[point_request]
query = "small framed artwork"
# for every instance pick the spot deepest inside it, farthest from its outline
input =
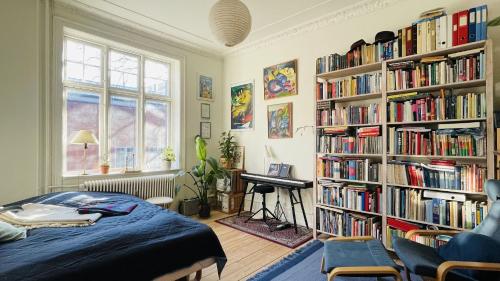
(205, 88)
(285, 170)
(205, 110)
(279, 121)
(205, 130)
(274, 170)
(280, 80)
(239, 159)
(242, 101)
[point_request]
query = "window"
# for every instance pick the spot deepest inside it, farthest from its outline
(124, 97)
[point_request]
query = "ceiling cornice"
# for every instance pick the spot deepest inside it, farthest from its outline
(350, 12)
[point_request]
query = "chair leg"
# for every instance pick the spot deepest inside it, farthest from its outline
(251, 202)
(264, 208)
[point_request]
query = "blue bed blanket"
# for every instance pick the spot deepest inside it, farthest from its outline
(145, 244)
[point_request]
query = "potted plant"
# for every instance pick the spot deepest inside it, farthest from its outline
(204, 176)
(104, 165)
(227, 147)
(168, 156)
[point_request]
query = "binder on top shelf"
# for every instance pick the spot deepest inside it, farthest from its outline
(424, 37)
(443, 32)
(455, 29)
(478, 24)
(409, 48)
(463, 27)
(432, 34)
(419, 38)
(484, 22)
(449, 31)
(400, 43)
(472, 25)
(414, 38)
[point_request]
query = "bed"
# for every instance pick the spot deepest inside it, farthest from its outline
(149, 243)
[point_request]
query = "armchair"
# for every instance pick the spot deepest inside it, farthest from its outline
(479, 249)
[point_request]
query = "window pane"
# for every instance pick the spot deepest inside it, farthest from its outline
(124, 71)
(82, 62)
(122, 132)
(82, 114)
(156, 120)
(156, 78)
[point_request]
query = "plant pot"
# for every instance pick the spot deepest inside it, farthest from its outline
(226, 164)
(204, 211)
(167, 165)
(104, 169)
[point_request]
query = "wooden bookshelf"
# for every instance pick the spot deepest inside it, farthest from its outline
(487, 161)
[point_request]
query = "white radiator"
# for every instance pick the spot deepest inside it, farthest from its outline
(142, 187)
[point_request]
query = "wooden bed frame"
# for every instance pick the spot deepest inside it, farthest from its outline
(183, 274)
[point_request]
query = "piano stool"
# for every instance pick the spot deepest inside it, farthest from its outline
(262, 189)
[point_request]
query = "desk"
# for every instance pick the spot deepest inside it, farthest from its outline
(289, 184)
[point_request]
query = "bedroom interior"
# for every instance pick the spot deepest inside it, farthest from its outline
(250, 140)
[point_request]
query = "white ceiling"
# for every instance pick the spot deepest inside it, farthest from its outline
(187, 20)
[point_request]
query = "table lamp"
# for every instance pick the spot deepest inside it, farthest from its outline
(84, 137)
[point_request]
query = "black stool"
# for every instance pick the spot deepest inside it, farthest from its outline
(262, 189)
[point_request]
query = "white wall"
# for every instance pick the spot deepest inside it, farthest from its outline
(19, 99)
(23, 100)
(318, 40)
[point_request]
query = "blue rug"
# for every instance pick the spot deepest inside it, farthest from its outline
(304, 264)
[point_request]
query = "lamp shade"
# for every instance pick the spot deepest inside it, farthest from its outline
(230, 21)
(84, 137)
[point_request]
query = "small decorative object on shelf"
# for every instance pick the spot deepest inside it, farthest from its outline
(227, 147)
(104, 165)
(168, 157)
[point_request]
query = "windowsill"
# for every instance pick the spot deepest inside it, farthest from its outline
(117, 174)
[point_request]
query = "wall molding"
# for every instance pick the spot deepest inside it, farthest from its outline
(347, 13)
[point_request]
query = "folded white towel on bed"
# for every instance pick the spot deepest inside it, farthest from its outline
(34, 215)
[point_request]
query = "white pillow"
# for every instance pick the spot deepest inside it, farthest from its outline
(10, 233)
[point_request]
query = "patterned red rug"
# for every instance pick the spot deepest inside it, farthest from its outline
(286, 237)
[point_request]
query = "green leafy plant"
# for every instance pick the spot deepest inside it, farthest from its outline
(168, 154)
(227, 146)
(203, 175)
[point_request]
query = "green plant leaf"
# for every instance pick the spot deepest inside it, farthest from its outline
(201, 148)
(494, 22)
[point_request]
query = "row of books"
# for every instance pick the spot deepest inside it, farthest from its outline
(438, 174)
(436, 71)
(348, 168)
(346, 144)
(442, 142)
(440, 31)
(426, 107)
(432, 31)
(355, 115)
(399, 228)
(348, 224)
(358, 197)
(435, 207)
(368, 83)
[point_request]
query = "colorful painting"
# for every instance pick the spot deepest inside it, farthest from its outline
(280, 80)
(279, 121)
(242, 106)
(206, 90)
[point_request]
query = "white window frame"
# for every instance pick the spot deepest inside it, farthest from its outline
(106, 91)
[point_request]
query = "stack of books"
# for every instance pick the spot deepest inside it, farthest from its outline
(457, 67)
(399, 228)
(356, 115)
(438, 174)
(356, 197)
(460, 139)
(368, 83)
(348, 168)
(349, 224)
(435, 207)
(434, 30)
(426, 107)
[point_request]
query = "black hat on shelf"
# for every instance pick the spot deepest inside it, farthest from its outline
(384, 36)
(358, 44)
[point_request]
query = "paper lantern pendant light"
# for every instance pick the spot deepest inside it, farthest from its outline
(230, 21)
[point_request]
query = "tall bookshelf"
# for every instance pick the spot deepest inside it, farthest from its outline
(488, 161)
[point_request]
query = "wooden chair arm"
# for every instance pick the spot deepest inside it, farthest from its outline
(425, 232)
(351, 238)
(446, 266)
(362, 270)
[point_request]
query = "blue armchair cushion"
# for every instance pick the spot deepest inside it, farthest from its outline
(349, 253)
(469, 246)
(418, 258)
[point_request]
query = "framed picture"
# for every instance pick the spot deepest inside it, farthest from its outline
(205, 88)
(242, 100)
(285, 170)
(205, 130)
(205, 110)
(239, 159)
(274, 170)
(279, 121)
(280, 80)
